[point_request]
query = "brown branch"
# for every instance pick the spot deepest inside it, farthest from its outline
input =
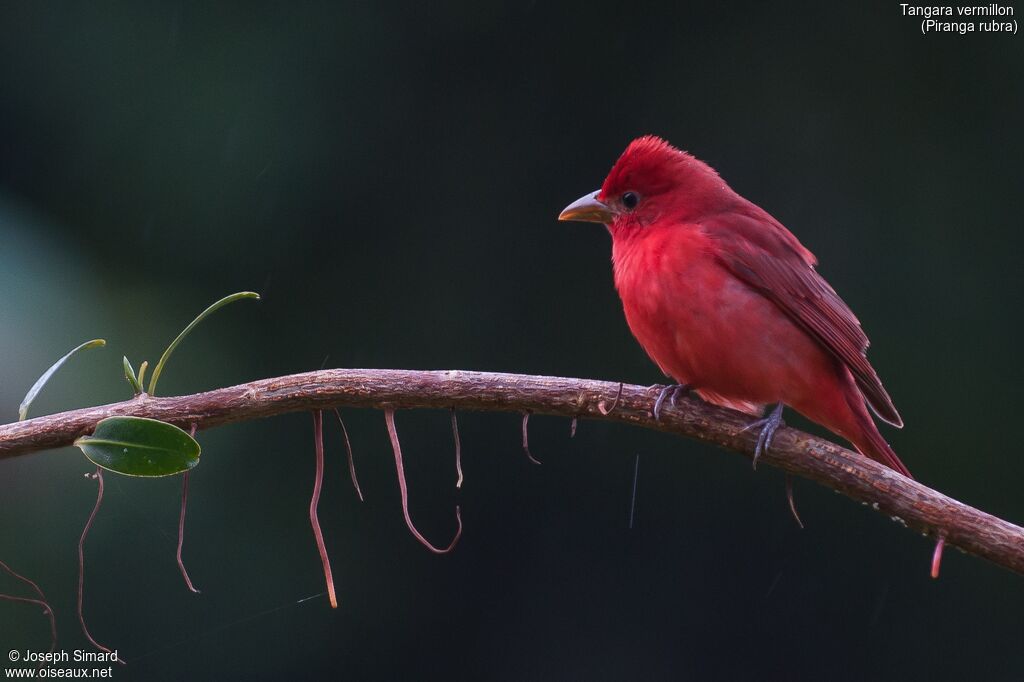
(913, 504)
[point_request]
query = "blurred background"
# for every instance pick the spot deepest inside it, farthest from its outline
(388, 178)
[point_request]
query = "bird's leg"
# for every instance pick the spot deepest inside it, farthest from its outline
(672, 391)
(769, 425)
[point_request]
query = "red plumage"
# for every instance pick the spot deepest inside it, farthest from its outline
(724, 298)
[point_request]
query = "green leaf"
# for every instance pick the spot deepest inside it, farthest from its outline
(174, 344)
(129, 374)
(142, 374)
(136, 446)
(41, 381)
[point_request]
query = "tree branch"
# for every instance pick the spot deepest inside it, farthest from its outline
(916, 506)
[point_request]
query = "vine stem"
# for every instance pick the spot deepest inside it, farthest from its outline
(911, 503)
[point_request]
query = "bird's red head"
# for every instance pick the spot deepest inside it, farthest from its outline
(649, 164)
(651, 180)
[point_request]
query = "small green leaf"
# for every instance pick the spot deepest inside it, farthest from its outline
(136, 446)
(129, 374)
(41, 381)
(142, 374)
(174, 344)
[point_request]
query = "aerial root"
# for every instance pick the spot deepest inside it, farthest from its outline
(98, 476)
(181, 523)
(526, 438)
(789, 498)
(42, 602)
(351, 461)
(181, 533)
(607, 411)
(389, 420)
(458, 449)
(318, 438)
(632, 500)
(940, 544)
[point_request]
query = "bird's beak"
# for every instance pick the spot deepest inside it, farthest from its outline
(587, 209)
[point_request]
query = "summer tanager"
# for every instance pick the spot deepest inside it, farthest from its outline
(727, 301)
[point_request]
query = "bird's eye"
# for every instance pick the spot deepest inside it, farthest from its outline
(630, 200)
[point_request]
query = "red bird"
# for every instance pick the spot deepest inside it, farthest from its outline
(727, 302)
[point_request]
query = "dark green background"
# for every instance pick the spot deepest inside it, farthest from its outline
(388, 178)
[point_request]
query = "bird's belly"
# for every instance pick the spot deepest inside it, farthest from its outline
(705, 328)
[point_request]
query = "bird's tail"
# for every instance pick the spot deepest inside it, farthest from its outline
(870, 443)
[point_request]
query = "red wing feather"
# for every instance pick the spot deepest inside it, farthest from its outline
(764, 254)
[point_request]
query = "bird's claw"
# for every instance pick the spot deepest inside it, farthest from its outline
(671, 392)
(769, 425)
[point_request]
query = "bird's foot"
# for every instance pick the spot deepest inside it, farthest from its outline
(769, 425)
(670, 392)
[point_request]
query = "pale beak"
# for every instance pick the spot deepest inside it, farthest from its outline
(587, 209)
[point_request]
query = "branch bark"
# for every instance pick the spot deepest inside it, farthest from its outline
(914, 505)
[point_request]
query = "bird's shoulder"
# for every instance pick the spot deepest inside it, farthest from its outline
(751, 228)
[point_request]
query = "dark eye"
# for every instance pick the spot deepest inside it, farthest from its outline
(630, 200)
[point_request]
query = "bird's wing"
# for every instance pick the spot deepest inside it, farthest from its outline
(764, 254)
